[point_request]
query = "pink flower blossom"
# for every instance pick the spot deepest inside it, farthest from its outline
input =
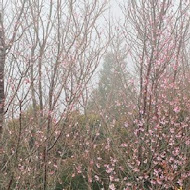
(112, 187)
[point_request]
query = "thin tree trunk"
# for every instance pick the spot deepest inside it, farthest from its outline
(2, 64)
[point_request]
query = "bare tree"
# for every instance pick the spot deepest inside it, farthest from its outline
(7, 40)
(51, 56)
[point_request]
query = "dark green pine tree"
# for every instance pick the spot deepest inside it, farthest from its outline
(109, 93)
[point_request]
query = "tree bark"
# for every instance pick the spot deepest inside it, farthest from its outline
(2, 64)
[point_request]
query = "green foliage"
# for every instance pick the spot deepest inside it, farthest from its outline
(75, 183)
(110, 92)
